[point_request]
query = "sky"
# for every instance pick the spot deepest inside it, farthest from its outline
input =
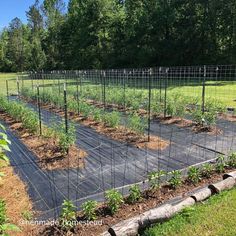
(9, 9)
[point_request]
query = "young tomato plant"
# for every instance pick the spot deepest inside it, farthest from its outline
(207, 170)
(89, 209)
(220, 164)
(176, 179)
(154, 178)
(232, 160)
(136, 123)
(112, 119)
(194, 175)
(114, 200)
(68, 215)
(135, 194)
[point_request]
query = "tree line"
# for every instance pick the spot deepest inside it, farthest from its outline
(120, 33)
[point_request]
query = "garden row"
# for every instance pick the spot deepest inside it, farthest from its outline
(112, 119)
(30, 121)
(135, 99)
(176, 105)
(114, 201)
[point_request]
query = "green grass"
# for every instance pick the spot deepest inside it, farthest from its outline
(215, 217)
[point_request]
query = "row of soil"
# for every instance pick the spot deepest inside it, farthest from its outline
(150, 199)
(178, 121)
(120, 133)
(46, 148)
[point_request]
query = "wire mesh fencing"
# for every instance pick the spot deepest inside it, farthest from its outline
(132, 122)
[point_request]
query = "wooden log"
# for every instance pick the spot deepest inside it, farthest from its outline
(231, 174)
(222, 185)
(183, 204)
(132, 226)
(202, 194)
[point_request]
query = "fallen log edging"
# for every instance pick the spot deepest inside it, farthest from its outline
(132, 226)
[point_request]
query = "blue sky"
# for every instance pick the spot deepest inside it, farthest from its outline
(10, 9)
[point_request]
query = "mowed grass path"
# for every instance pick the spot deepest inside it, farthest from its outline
(215, 217)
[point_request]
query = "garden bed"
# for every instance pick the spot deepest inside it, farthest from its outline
(150, 199)
(119, 133)
(46, 149)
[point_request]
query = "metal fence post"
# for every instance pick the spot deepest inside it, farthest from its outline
(203, 90)
(18, 87)
(165, 96)
(65, 109)
(149, 102)
(7, 90)
(39, 111)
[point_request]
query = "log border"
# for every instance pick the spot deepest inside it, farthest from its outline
(164, 212)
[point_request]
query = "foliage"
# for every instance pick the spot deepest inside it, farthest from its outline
(5, 226)
(207, 170)
(4, 146)
(232, 160)
(89, 209)
(135, 194)
(194, 175)
(208, 118)
(220, 164)
(154, 178)
(114, 200)
(136, 123)
(68, 214)
(111, 119)
(66, 140)
(176, 179)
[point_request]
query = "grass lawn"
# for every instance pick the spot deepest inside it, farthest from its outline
(215, 217)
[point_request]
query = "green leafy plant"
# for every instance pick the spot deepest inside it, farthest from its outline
(205, 119)
(89, 209)
(5, 226)
(176, 179)
(194, 175)
(66, 140)
(220, 164)
(207, 170)
(136, 123)
(135, 194)
(4, 146)
(232, 160)
(154, 178)
(114, 200)
(68, 214)
(112, 119)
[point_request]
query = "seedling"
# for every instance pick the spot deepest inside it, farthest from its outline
(114, 200)
(135, 194)
(154, 178)
(89, 209)
(175, 180)
(68, 215)
(194, 175)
